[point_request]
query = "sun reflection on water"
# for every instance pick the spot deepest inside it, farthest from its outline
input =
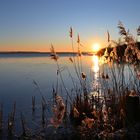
(95, 71)
(95, 66)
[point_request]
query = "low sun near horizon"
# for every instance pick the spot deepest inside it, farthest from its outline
(96, 47)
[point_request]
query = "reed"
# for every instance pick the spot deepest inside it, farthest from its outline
(23, 122)
(33, 103)
(55, 58)
(108, 111)
(11, 120)
(1, 118)
(40, 92)
(43, 113)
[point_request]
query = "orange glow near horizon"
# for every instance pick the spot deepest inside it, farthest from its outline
(44, 46)
(38, 47)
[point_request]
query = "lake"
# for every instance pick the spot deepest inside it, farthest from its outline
(18, 71)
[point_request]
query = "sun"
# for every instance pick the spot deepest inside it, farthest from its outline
(95, 47)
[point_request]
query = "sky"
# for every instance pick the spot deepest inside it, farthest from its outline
(33, 25)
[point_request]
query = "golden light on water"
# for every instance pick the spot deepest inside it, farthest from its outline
(95, 71)
(96, 47)
(95, 66)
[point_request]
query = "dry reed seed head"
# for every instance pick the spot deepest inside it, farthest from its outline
(88, 122)
(54, 56)
(71, 32)
(122, 29)
(78, 39)
(58, 110)
(71, 60)
(58, 98)
(108, 36)
(138, 31)
(61, 103)
(52, 49)
(83, 75)
(131, 52)
(62, 107)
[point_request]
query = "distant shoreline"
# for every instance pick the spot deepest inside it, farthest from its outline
(40, 54)
(24, 52)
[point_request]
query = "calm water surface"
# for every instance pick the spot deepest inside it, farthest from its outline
(17, 73)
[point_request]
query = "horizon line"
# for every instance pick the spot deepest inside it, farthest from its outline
(42, 52)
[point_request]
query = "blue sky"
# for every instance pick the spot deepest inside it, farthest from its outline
(32, 25)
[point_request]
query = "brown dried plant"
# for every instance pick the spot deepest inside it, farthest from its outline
(54, 56)
(58, 111)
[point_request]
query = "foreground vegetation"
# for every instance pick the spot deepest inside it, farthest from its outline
(108, 110)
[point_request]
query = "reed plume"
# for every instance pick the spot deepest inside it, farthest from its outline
(71, 32)
(54, 56)
(58, 111)
(108, 36)
(33, 103)
(138, 31)
(122, 29)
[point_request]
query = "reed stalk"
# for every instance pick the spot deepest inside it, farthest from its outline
(1, 117)
(11, 120)
(33, 103)
(23, 122)
(43, 113)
